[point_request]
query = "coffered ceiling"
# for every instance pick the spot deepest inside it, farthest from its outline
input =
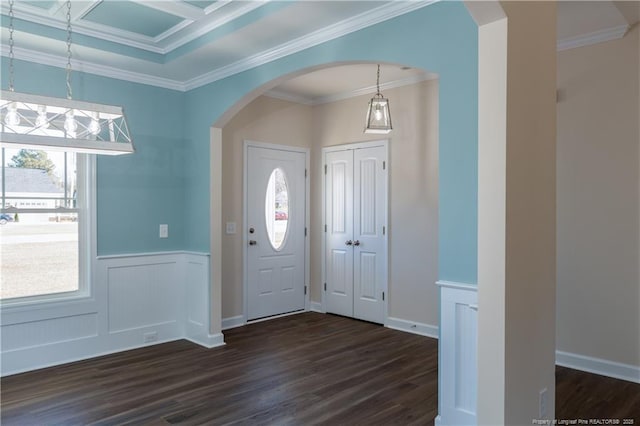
(183, 44)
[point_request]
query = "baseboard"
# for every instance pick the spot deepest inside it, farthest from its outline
(233, 322)
(603, 367)
(209, 341)
(413, 327)
(316, 307)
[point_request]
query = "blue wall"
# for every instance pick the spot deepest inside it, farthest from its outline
(441, 38)
(135, 192)
(167, 179)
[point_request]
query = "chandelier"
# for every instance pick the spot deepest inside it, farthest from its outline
(34, 121)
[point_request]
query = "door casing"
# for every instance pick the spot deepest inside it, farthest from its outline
(358, 145)
(245, 221)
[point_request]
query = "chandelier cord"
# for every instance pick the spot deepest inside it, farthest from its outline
(69, 92)
(378, 80)
(11, 45)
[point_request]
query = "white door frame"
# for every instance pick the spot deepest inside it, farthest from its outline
(245, 221)
(358, 145)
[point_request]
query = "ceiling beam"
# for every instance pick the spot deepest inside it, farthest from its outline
(177, 8)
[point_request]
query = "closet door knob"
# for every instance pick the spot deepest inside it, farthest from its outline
(356, 243)
(348, 243)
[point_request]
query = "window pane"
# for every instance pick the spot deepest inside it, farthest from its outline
(38, 250)
(38, 257)
(277, 208)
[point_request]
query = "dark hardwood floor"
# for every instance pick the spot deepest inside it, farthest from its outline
(303, 369)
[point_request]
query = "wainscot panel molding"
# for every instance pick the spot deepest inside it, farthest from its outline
(136, 300)
(414, 327)
(458, 354)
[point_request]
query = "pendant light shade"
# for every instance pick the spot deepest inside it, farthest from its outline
(378, 114)
(33, 121)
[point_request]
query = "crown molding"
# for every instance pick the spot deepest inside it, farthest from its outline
(595, 37)
(369, 90)
(92, 68)
(339, 29)
(128, 39)
(210, 26)
(289, 97)
(306, 100)
(131, 39)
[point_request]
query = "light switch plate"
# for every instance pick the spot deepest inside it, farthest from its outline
(164, 230)
(231, 227)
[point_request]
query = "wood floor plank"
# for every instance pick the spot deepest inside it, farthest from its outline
(303, 369)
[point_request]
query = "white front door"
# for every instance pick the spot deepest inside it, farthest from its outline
(356, 242)
(275, 199)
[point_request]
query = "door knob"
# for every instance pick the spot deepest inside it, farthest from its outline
(356, 243)
(253, 242)
(348, 243)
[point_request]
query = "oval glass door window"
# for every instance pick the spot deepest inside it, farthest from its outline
(276, 208)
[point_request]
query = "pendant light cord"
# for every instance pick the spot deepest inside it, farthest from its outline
(11, 45)
(69, 92)
(378, 81)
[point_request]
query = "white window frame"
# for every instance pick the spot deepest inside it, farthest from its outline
(87, 248)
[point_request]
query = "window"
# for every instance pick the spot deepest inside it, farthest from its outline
(277, 208)
(44, 237)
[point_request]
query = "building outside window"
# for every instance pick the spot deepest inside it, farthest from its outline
(44, 240)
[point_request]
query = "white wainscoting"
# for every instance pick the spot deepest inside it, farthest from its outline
(458, 354)
(136, 300)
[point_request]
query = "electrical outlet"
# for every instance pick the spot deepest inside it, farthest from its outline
(152, 336)
(164, 230)
(543, 404)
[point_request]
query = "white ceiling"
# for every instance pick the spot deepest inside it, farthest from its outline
(185, 44)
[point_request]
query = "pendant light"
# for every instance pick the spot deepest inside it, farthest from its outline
(34, 121)
(378, 114)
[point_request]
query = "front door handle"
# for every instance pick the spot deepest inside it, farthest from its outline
(253, 242)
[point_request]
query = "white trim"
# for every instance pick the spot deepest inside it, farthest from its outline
(290, 97)
(245, 220)
(598, 366)
(210, 341)
(595, 37)
(156, 253)
(413, 327)
(305, 100)
(233, 322)
(93, 68)
(71, 359)
(286, 314)
(339, 29)
(316, 307)
(460, 286)
(216, 23)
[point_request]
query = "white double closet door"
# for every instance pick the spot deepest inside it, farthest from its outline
(356, 237)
